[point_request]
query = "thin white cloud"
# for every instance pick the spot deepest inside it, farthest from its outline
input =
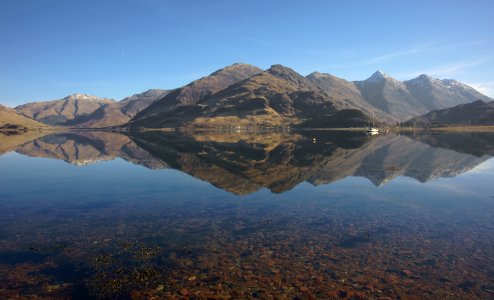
(486, 88)
(444, 71)
(417, 49)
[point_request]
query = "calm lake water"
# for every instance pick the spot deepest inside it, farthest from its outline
(303, 215)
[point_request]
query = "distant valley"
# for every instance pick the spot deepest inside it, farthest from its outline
(245, 96)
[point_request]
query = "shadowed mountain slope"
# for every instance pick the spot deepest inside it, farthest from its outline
(476, 113)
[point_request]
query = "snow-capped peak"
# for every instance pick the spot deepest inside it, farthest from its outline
(425, 80)
(80, 96)
(378, 76)
(424, 77)
(318, 75)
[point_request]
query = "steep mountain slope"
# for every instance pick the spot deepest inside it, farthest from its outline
(10, 119)
(107, 115)
(134, 104)
(276, 96)
(348, 92)
(199, 89)
(438, 94)
(59, 112)
(475, 113)
(389, 95)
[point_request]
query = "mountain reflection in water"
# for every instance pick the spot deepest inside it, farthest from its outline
(300, 215)
(245, 163)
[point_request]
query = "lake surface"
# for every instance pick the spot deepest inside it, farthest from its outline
(299, 215)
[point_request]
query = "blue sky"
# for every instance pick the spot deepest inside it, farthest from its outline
(53, 48)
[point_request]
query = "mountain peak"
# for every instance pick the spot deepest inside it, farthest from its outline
(315, 74)
(424, 77)
(378, 76)
(318, 75)
(280, 68)
(80, 96)
(288, 74)
(237, 68)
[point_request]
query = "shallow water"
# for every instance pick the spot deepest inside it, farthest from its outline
(272, 215)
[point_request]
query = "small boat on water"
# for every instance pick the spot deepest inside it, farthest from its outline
(372, 130)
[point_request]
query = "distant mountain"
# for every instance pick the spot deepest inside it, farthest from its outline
(86, 111)
(390, 95)
(11, 120)
(68, 109)
(475, 113)
(118, 113)
(197, 90)
(404, 100)
(350, 94)
(437, 94)
(134, 104)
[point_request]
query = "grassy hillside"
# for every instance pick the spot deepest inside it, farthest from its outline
(11, 120)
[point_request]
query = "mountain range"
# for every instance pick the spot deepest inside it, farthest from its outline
(279, 96)
(244, 95)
